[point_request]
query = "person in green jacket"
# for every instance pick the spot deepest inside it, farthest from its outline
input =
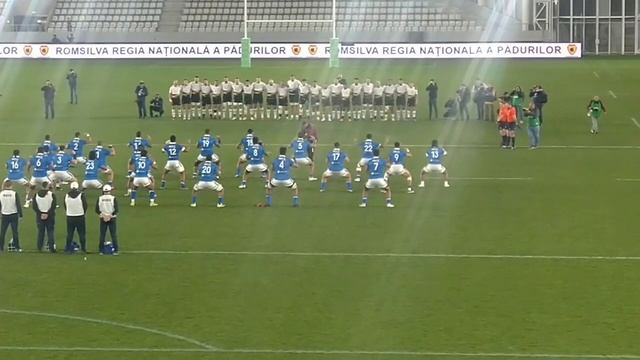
(517, 100)
(533, 126)
(595, 110)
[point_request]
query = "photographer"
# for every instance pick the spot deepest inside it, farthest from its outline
(539, 98)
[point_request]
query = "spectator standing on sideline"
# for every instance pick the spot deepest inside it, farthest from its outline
(141, 99)
(539, 98)
(44, 204)
(464, 96)
(49, 93)
(55, 39)
(517, 100)
(478, 97)
(75, 204)
(432, 89)
(156, 107)
(70, 38)
(72, 79)
(533, 126)
(596, 109)
(11, 211)
(107, 208)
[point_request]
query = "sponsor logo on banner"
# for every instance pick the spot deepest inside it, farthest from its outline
(537, 50)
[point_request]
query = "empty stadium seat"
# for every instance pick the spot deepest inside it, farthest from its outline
(107, 15)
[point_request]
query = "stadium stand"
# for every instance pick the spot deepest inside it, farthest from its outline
(107, 15)
(352, 16)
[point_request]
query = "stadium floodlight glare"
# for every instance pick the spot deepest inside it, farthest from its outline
(246, 41)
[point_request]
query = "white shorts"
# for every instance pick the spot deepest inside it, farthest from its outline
(63, 176)
(243, 157)
(256, 168)
(141, 181)
(376, 184)
(289, 183)
(22, 181)
(214, 158)
(92, 184)
(363, 162)
(438, 168)
(38, 180)
(81, 160)
(396, 169)
(208, 185)
(174, 165)
(343, 173)
(303, 161)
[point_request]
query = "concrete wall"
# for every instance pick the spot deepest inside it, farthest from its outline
(416, 37)
(27, 7)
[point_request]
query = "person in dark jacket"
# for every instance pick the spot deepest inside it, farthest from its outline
(539, 98)
(156, 108)
(432, 89)
(44, 204)
(10, 213)
(75, 204)
(464, 96)
(72, 79)
(107, 208)
(141, 92)
(49, 93)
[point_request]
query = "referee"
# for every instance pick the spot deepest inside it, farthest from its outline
(75, 203)
(11, 212)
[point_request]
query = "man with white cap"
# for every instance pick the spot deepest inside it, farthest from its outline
(107, 208)
(75, 203)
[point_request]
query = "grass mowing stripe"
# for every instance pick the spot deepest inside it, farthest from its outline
(387, 255)
(110, 323)
(635, 122)
(324, 352)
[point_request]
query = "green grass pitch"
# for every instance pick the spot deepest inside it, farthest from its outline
(284, 283)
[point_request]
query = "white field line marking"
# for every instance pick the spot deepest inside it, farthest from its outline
(596, 75)
(111, 323)
(462, 146)
(493, 178)
(635, 122)
(387, 255)
(627, 180)
(613, 95)
(325, 352)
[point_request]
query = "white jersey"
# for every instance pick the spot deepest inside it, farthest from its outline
(196, 86)
(412, 92)
(293, 84)
(336, 89)
(174, 91)
(185, 89)
(378, 91)
(326, 92)
(226, 86)
(356, 89)
(272, 89)
(304, 89)
(258, 87)
(247, 89)
(346, 93)
(315, 90)
(389, 90)
(401, 89)
(216, 90)
(283, 91)
(236, 88)
(367, 88)
(206, 89)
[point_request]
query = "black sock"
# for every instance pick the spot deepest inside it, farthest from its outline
(505, 140)
(513, 141)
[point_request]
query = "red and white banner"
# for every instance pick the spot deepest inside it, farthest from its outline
(291, 51)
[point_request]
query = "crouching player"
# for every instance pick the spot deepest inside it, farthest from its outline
(435, 156)
(302, 150)
(377, 168)
(281, 169)
(397, 158)
(336, 160)
(173, 151)
(244, 145)
(62, 162)
(255, 160)
(143, 178)
(208, 176)
(92, 169)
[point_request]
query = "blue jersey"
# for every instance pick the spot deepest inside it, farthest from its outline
(435, 155)
(246, 143)
(377, 168)
(208, 171)
(62, 161)
(16, 166)
(77, 146)
(397, 156)
(101, 155)
(256, 154)
(91, 170)
(206, 145)
(336, 160)
(173, 151)
(367, 148)
(139, 144)
(142, 167)
(40, 164)
(282, 168)
(301, 148)
(53, 148)
(134, 157)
